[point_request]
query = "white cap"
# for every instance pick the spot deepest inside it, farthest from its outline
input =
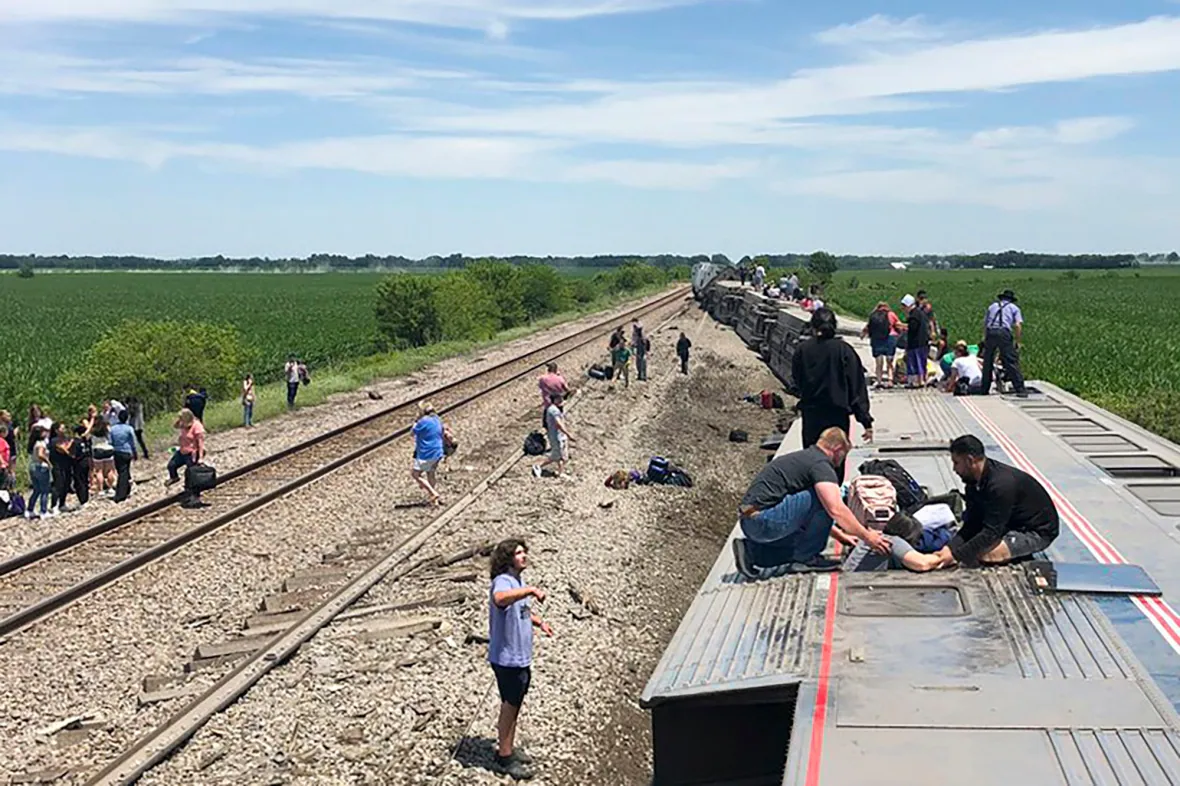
(908, 301)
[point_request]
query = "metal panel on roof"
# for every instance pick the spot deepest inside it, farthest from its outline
(1128, 757)
(736, 636)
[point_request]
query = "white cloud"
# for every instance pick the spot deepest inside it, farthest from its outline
(498, 30)
(880, 29)
(474, 14)
(743, 113)
(661, 174)
(1074, 131)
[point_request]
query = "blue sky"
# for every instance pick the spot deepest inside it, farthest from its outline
(288, 127)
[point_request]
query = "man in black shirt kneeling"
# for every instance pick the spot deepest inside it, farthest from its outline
(1009, 514)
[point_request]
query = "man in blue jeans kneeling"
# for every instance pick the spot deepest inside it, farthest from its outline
(789, 511)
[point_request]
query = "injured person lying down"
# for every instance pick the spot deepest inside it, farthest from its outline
(1009, 516)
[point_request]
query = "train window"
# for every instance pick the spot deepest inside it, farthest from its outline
(1136, 466)
(1164, 498)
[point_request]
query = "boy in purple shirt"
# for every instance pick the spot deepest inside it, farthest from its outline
(510, 647)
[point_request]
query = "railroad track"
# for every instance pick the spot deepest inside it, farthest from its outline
(396, 563)
(45, 580)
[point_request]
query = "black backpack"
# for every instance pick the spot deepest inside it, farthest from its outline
(879, 326)
(910, 495)
(535, 444)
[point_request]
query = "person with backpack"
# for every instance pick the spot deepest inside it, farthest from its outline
(559, 437)
(291, 374)
(80, 454)
(61, 461)
(792, 508)
(829, 380)
(511, 620)
(429, 449)
(882, 330)
(1009, 514)
(683, 344)
(1003, 329)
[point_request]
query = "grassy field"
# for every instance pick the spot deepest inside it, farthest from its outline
(53, 318)
(1112, 337)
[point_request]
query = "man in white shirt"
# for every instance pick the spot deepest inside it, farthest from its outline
(966, 375)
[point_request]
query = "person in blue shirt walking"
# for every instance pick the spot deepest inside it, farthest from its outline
(123, 442)
(510, 648)
(429, 437)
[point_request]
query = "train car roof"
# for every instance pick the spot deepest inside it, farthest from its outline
(964, 676)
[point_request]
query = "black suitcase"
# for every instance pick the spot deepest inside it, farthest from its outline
(199, 477)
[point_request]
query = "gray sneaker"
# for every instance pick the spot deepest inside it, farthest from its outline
(511, 767)
(742, 560)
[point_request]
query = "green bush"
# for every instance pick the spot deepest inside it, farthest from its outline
(544, 291)
(505, 284)
(406, 313)
(156, 362)
(583, 290)
(463, 309)
(26, 269)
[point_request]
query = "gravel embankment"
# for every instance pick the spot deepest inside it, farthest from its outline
(231, 449)
(92, 657)
(421, 709)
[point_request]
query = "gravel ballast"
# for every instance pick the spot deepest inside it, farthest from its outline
(420, 709)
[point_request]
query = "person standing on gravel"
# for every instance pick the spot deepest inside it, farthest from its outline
(551, 383)
(682, 346)
(428, 450)
(510, 648)
(559, 437)
(620, 357)
(639, 345)
(123, 442)
(248, 401)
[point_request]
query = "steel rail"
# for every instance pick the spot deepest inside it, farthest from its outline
(161, 742)
(57, 601)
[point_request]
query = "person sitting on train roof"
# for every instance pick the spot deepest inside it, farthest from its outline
(790, 509)
(1009, 514)
(965, 377)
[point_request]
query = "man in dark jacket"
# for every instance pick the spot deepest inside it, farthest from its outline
(1009, 514)
(682, 346)
(829, 380)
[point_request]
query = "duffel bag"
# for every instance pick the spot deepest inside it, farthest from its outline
(910, 495)
(199, 477)
(535, 444)
(873, 500)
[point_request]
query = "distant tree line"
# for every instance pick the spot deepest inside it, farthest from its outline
(319, 262)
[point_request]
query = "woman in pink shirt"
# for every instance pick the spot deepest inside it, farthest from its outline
(550, 383)
(191, 451)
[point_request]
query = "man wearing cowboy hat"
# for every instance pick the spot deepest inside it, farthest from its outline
(1003, 327)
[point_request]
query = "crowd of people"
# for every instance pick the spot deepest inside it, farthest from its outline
(929, 358)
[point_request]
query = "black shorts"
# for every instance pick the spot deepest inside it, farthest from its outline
(513, 683)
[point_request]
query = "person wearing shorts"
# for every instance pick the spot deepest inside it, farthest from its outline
(559, 437)
(510, 648)
(428, 450)
(1009, 516)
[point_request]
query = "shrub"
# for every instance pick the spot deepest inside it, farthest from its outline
(26, 269)
(544, 291)
(406, 315)
(463, 309)
(504, 282)
(822, 266)
(156, 362)
(583, 290)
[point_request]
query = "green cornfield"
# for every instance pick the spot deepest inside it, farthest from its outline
(51, 319)
(1112, 337)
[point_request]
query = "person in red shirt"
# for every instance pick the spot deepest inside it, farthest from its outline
(5, 457)
(551, 383)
